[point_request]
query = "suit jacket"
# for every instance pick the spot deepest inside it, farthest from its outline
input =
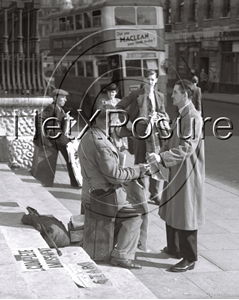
(51, 110)
(183, 199)
(132, 101)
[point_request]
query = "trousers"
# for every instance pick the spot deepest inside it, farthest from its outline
(127, 231)
(183, 241)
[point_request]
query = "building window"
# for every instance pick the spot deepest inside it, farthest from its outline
(226, 8)
(168, 12)
(180, 10)
(193, 10)
(230, 64)
(125, 16)
(208, 9)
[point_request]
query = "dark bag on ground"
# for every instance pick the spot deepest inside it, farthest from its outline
(54, 227)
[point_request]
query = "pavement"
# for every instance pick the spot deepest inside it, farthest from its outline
(216, 274)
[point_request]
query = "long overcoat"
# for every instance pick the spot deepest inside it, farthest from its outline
(183, 198)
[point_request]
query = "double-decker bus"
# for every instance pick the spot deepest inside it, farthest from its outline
(107, 41)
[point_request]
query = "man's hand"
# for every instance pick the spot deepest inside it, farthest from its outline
(143, 168)
(153, 158)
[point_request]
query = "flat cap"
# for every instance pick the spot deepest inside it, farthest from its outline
(59, 92)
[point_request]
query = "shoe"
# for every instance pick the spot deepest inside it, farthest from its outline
(172, 253)
(183, 266)
(125, 263)
(140, 247)
(76, 185)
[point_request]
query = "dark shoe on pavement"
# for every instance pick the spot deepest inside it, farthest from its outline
(125, 263)
(172, 253)
(140, 247)
(76, 185)
(183, 266)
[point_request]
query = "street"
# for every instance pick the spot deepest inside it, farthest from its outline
(222, 156)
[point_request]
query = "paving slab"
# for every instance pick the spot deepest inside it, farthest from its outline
(222, 241)
(227, 260)
(217, 284)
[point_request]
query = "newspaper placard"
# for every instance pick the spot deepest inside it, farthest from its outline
(37, 259)
(87, 274)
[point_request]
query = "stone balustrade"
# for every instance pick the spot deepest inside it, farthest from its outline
(17, 128)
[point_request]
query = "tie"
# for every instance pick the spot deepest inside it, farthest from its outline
(149, 105)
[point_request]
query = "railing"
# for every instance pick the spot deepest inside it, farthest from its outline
(21, 66)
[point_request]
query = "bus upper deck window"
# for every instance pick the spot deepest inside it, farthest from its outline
(96, 18)
(62, 23)
(69, 23)
(55, 27)
(146, 16)
(87, 20)
(72, 69)
(133, 68)
(89, 68)
(80, 68)
(125, 16)
(79, 21)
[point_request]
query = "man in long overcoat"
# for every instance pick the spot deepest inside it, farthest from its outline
(183, 198)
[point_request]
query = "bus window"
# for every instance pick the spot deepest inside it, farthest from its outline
(102, 67)
(96, 18)
(89, 68)
(79, 21)
(87, 20)
(57, 68)
(146, 16)
(70, 23)
(62, 22)
(72, 69)
(150, 64)
(55, 27)
(64, 67)
(125, 16)
(80, 68)
(133, 68)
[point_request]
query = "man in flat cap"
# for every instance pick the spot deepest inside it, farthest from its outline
(53, 124)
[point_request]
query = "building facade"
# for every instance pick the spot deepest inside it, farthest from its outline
(204, 34)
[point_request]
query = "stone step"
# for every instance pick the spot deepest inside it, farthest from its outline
(17, 191)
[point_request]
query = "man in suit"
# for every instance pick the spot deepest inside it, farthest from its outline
(145, 102)
(54, 122)
(102, 171)
(183, 200)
